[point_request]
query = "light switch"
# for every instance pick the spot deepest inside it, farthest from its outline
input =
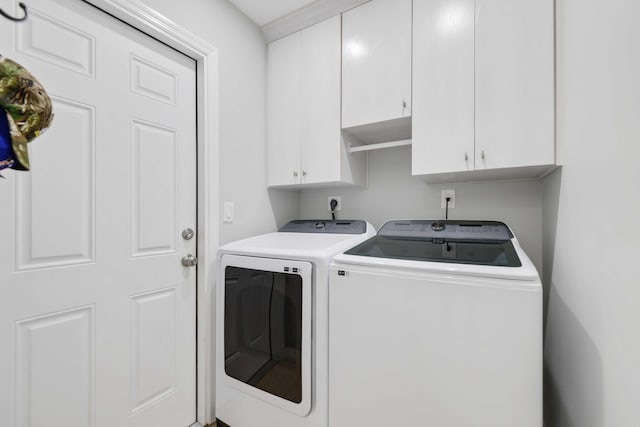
(228, 211)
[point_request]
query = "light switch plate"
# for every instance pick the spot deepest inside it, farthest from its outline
(228, 211)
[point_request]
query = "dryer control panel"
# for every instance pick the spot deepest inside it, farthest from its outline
(342, 226)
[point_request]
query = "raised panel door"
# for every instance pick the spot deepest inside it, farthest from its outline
(97, 315)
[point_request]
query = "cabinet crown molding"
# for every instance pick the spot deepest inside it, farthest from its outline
(305, 17)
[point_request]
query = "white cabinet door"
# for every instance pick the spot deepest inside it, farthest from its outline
(283, 109)
(443, 66)
(321, 140)
(514, 83)
(376, 62)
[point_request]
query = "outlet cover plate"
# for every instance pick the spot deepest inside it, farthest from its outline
(338, 198)
(443, 198)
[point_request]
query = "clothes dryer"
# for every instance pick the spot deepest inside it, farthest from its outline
(272, 324)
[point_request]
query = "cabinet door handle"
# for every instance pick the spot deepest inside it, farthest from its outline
(404, 105)
(295, 173)
(482, 154)
(304, 173)
(466, 156)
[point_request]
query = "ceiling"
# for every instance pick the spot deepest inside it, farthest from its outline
(265, 11)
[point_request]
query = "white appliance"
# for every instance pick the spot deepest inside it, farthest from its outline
(435, 324)
(272, 324)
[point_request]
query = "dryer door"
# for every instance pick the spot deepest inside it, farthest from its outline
(267, 329)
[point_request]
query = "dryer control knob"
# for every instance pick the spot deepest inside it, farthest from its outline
(437, 225)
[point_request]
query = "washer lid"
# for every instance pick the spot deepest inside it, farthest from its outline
(459, 242)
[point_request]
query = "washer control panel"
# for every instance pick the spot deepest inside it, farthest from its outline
(447, 229)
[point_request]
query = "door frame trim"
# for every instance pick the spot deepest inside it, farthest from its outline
(158, 26)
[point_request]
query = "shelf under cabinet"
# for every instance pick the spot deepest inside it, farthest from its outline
(379, 146)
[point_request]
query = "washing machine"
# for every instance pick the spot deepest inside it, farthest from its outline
(435, 323)
(272, 324)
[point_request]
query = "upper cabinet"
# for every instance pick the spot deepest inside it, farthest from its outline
(284, 100)
(443, 87)
(514, 83)
(376, 66)
(469, 83)
(305, 147)
(483, 104)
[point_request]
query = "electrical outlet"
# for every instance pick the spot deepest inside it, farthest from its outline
(443, 198)
(338, 199)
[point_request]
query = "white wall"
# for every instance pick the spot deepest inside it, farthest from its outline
(242, 85)
(591, 211)
(394, 194)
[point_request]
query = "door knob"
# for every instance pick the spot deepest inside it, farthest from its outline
(189, 260)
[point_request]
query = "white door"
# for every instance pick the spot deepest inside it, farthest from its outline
(97, 314)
